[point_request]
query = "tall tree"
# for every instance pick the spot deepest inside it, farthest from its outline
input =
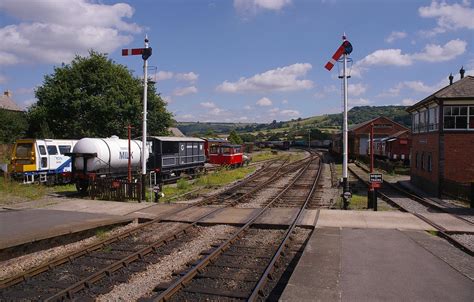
(94, 97)
(13, 125)
(234, 138)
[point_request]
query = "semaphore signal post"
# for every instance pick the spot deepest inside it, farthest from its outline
(344, 50)
(146, 53)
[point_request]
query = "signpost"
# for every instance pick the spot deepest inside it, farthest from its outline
(145, 53)
(375, 179)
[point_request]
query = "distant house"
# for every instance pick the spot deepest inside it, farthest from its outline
(359, 135)
(443, 139)
(7, 103)
(175, 132)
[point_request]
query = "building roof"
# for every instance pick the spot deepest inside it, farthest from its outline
(7, 103)
(462, 89)
(177, 139)
(363, 124)
(175, 131)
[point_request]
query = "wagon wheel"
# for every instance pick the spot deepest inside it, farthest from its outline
(82, 186)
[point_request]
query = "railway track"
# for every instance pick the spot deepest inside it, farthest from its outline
(408, 202)
(241, 266)
(116, 253)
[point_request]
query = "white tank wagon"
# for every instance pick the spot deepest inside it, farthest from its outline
(106, 155)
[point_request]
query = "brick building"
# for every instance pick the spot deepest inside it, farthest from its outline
(443, 139)
(359, 135)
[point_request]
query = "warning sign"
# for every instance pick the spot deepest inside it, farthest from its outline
(376, 178)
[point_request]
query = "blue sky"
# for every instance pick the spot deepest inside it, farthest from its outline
(247, 60)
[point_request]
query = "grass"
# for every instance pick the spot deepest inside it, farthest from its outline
(14, 190)
(266, 155)
(205, 182)
(101, 234)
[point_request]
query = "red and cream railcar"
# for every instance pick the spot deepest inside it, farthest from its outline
(226, 155)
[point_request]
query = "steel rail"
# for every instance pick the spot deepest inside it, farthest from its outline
(107, 271)
(87, 281)
(96, 246)
(424, 201)
(258, 289)
(179, 284)
(441, 231)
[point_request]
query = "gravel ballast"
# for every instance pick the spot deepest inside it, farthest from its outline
(141, 284)
(23, 263)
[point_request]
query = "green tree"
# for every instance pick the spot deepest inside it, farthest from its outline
(13, 126)
(94, 97)
(247, 137)
(234, 138)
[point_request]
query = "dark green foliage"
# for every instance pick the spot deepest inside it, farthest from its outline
(247, 137)
(234, 138)
(94, 97)
(13, 125)
(364, 113)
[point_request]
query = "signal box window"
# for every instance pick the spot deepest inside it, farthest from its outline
(456, 117)
(52, 150)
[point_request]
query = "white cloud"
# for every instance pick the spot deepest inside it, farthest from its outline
(251, 7)
(395, 35)
(264, 102)
(395, 57)
(190, 77)
(164, 75)
(281, 79)
(408, 102)
(247, 107)
(284, 102)
(208, 105)
(167, 99)
(438, 53)
(415, 86)
(357, 89)
(448, 16)
(386, 57)
(185, 90)
(55, 31)
(290, 113)
(185, 117)
(359, 102)
(286, 113)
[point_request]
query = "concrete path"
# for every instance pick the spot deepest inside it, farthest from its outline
(24, 226)
(347, 264)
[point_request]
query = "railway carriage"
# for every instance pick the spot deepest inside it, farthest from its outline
(41, 160)
(226, 155)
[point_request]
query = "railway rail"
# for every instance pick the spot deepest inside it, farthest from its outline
(112, 254)
(408, 202)
(241, 266)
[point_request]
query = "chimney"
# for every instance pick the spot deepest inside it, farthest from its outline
(462, 71)
(7, 93)
(451, 79)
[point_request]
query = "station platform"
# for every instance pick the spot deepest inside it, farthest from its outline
(372, 264)
(19, 227)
